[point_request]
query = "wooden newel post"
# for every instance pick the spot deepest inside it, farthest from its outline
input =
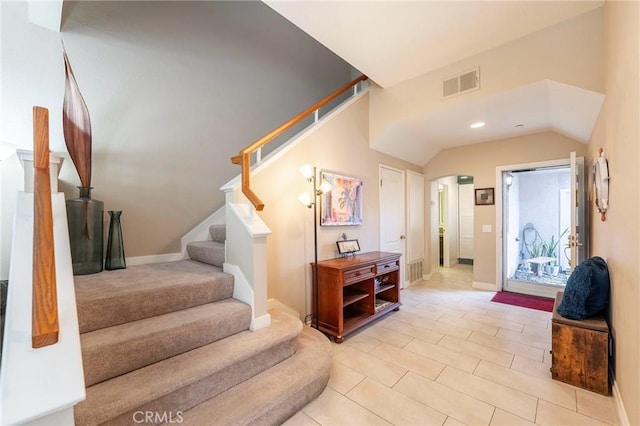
(44, 328)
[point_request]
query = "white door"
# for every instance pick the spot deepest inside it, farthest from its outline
(578, 232)
(465, 224)
(392, 213)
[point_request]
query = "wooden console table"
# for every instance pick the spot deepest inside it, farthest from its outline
(355, 291)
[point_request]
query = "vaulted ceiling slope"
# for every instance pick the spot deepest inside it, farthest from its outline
(397, 42)
(394, 41)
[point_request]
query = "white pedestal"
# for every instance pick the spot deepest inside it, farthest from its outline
(26, 159)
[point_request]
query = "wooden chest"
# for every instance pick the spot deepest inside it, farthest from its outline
(580, 351)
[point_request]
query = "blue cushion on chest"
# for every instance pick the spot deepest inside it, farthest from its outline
(587, 290)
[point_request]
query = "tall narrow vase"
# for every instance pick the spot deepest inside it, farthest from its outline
(84, 216)
(115, 245)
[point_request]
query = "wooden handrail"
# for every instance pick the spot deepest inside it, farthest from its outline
(44, 324)
(244, 157)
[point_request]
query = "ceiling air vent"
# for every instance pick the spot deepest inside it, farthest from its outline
(461, 83)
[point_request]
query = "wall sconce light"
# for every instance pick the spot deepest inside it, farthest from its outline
(508, 180)
(310, 199)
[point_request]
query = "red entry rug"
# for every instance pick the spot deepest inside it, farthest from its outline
(524, 300)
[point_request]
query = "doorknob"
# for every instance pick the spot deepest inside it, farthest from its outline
(402, 237)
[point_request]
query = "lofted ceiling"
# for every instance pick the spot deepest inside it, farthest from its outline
(386, 41)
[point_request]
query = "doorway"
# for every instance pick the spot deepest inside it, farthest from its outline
(539, 225)
(452, 221)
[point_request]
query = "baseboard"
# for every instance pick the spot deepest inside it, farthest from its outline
(484, 286)
(621, 413)
(154, 258)
(427, 277)
(276, 304)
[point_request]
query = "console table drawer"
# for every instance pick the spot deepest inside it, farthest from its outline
(382, 268)
(358, 275)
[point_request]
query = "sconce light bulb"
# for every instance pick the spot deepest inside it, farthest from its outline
(325, 186)
(305, 198)
(306, 170)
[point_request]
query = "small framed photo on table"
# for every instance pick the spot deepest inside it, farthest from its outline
(346, 247)
(484, 197)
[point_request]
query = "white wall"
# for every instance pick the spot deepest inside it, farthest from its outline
(570, 52)
(480, 161)
(174, 89)
(339, 145)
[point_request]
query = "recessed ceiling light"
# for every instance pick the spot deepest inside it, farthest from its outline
(519, 125)
(477, 125)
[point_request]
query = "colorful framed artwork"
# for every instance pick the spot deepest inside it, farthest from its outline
(342, 205)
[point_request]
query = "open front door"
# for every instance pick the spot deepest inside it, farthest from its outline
(577, 241)
(544, 225)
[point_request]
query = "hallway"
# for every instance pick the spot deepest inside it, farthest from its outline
(451, 357)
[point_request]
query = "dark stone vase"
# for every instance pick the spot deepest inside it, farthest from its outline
(85, 219)
(115, 245)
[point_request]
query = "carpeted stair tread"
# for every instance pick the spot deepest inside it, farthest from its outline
(183, 381)
(113, 351)
(209, 252)
(218, 233)
(275, 394)
(116, 297)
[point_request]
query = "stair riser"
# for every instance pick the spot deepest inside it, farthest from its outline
(208, 252)
(193, 394)
(287, 408)
(101, 313)
(105, 357)
(277, 393)
(218, 233)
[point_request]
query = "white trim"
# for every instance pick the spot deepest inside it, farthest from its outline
(243, 292)
(291, 143)
(62, 417)
(261, 322)
(427, 277)
(36, 383)
(155, 258)
(621, 413)
(499, 208)
(251, 222)
(478, 285)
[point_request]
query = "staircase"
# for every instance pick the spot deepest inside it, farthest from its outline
(167, 343)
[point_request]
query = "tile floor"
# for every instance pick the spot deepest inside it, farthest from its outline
(451, 357)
